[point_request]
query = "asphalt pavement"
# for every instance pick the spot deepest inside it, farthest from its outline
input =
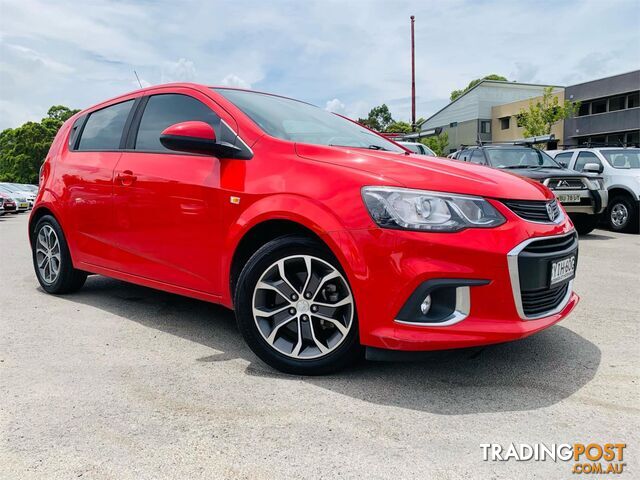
(123, 382)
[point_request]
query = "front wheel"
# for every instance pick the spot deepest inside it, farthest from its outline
(52, 260)
(623, 215)
(295, 308)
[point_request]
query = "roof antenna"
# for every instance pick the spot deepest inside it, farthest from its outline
(138, 78)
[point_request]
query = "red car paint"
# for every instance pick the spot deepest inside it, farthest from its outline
(154, 220)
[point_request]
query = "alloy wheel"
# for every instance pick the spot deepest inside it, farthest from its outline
(619, 214)
(48, 255)
(303, 307)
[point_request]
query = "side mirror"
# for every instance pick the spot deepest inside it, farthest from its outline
(592, 168)
(562, 163)
(196, 137)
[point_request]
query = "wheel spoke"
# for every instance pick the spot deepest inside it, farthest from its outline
(319, 344)
(307, 264)
(333, 321)
(283, 276)
(260, 312)
(296, 350)
(345, 301)
(276, 328)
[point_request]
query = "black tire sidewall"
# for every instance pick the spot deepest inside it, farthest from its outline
(68, 276)
(282, 247)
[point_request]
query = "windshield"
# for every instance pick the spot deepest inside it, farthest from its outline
(626, 158)
(300, 122)
(520, 158)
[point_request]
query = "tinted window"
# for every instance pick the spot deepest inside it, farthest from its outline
(73, 135)
(165, 110)
(617, 103)
(477, 157)
(599, 106)
(584, 158)
(103, 129)
(633, 100)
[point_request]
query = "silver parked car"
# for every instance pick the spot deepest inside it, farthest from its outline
(22, 204)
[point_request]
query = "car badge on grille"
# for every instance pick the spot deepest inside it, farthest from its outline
(563, 183)
(551, 211)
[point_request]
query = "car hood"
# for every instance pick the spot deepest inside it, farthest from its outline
(430, 173)
(542, 173)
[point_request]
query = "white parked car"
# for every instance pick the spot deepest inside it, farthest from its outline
(620, 169)
(418, 148)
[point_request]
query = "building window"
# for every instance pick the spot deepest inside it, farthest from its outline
(633, 100)
(505, 123)
(617, 103)
(453, 124)
(485, 126)
(599, 106)
(585, 109)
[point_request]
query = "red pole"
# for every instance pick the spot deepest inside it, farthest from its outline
(413, 77)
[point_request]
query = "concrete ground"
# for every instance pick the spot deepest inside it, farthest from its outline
(119, 381)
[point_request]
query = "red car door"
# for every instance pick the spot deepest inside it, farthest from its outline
(166, 204)
(86, 176)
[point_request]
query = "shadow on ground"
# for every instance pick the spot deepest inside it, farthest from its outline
(536, 372)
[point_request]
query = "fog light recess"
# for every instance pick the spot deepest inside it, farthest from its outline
(425, 306)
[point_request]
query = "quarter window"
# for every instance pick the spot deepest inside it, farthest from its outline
(164, 110)
(104, 127)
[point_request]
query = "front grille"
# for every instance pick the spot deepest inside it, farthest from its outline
(553, 245)
(535, 211)
(566, 184)
(539, 302)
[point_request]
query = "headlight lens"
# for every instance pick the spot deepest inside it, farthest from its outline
(403, 208)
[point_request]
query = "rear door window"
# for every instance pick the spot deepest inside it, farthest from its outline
(103, 129)
(564, 158)
(165, 110)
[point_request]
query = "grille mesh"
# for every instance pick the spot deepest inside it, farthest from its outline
(535, 303)
(535, 211)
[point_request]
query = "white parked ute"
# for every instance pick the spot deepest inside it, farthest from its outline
(620, 169)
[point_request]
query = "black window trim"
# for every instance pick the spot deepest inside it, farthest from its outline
(76, 141)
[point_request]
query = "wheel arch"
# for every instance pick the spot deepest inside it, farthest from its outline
(621, 190)
(278, 216)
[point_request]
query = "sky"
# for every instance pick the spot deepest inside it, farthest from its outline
(345, 56)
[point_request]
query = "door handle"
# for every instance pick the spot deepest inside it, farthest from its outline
(126, 178)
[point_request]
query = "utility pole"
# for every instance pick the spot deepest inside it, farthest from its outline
(413, 77)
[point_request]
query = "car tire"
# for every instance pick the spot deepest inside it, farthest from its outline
(52, 260)
(288, 335)
(622, 214)
(585, 223)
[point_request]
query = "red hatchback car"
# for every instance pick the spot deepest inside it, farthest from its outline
(323, 236)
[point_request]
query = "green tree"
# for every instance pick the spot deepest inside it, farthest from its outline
(379, 118)
(398, 127)
(457, 93)
(23, 149)
(543, 114)
(437, 143)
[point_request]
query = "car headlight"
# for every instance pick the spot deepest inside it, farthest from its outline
(403, 208)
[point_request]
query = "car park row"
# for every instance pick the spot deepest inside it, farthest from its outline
(16, 197)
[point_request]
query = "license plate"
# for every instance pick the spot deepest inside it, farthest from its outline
(568, 197)
(24, 205)
(562, 270)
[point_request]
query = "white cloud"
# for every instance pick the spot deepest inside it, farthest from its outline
(233, 80)
(335, 106)
(60, 53)
(181, 71)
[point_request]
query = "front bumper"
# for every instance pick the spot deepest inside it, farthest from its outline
(592, 202)
(395, 263)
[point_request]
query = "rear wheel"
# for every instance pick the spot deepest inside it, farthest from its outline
(295, 308)
(52, 260)
(585, 223)
(623, 214)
